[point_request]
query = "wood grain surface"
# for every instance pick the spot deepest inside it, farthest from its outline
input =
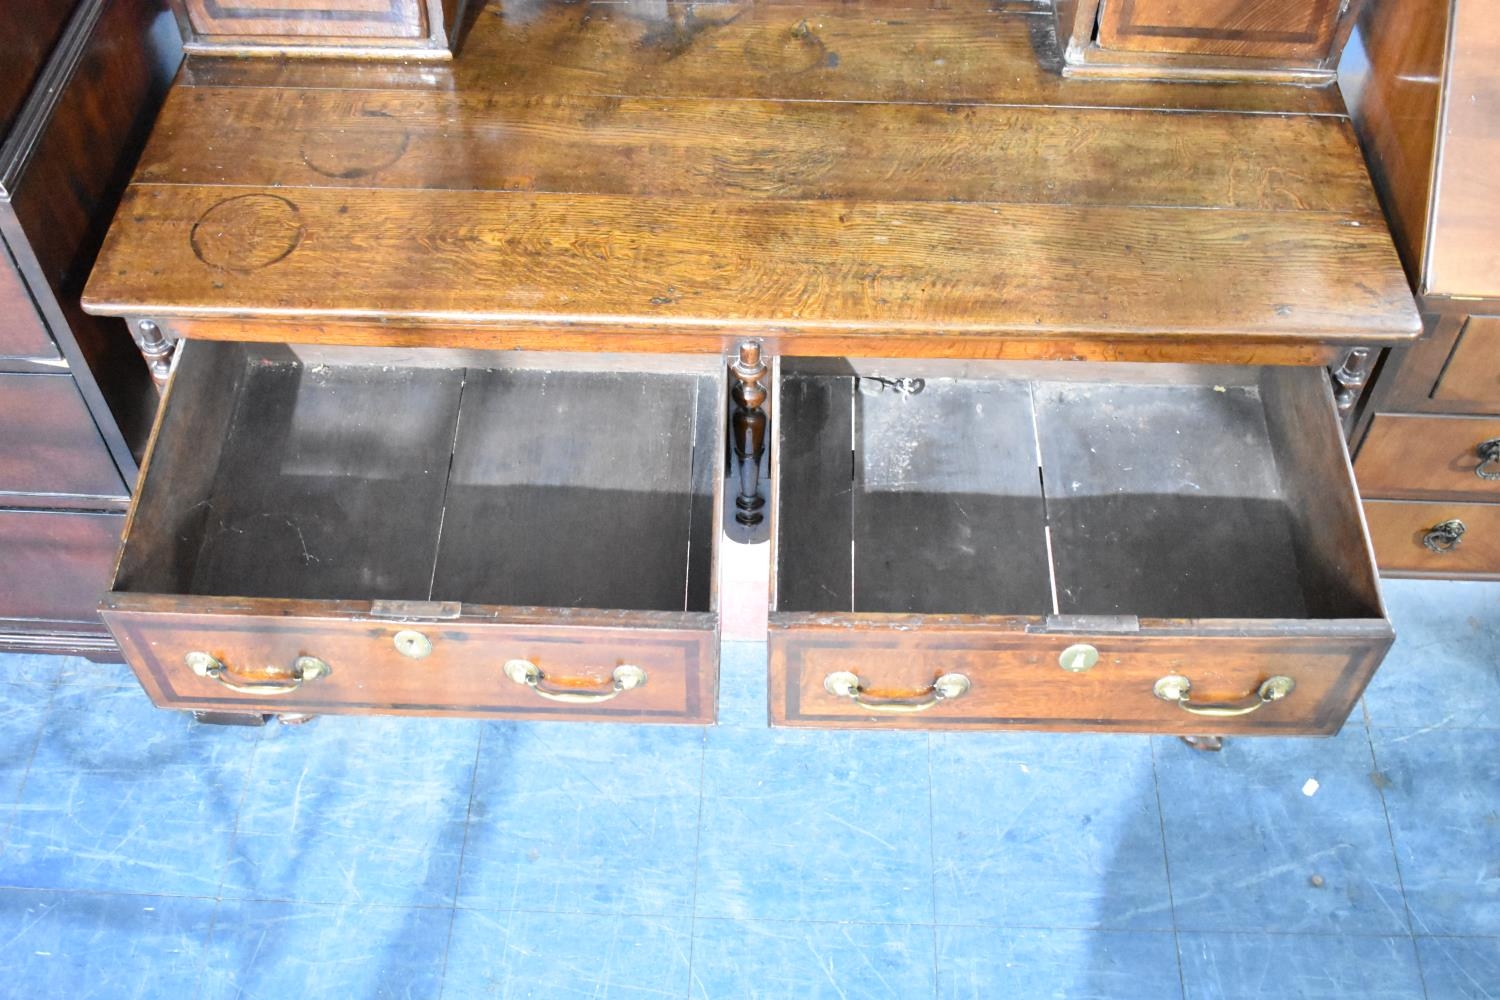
(777, 170)
(1397, 528)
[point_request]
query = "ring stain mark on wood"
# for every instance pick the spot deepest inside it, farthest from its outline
(351, 153)
(247, 232)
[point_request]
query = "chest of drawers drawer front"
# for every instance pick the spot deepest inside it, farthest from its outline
(1406, 455)
(946, 535)
(551, 519)
(1435, 538)
(54, 565)
(1105, 682)
(254, 656)
(22, 334)
(53, 455)
(1471, 378)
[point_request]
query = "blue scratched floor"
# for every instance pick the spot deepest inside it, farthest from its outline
(146, 855)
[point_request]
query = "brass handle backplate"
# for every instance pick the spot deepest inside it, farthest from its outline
(1177, 688)
(626, 677)
(843, 684)
(1489, 459)
(304, 670)
(1444, 538)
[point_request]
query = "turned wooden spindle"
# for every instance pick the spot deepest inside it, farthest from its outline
(748, 426)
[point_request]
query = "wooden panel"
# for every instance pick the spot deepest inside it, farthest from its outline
(66, 189)
(54, 567)
(52, 449)
(1272, 29)
(755, 149)
(1464, 258)
(259, 641)
(608, 261)
(962, 51)
(1472, 375)
(1414, 456)
(1166, 502)
(313, 19)
(1398, 530)
(1394, 95)
(22, 333)
(28, 31)
(1017, 682)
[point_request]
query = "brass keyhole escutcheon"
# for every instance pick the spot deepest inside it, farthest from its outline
(413, 644)
(1078, 658)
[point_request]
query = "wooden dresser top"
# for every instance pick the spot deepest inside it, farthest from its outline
(835, 170)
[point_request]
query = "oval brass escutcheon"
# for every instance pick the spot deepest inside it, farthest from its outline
(1078, 657)
(413, 644)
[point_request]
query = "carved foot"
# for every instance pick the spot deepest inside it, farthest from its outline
(1208, 744)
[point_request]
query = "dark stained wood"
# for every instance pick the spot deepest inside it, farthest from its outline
(1418, 456)
(965, 51)
(462, 675)
(1398, 528)
(61, 181)
(52, 454)
(999, 270)
(28, 31)
(1267, 29)
(54, 570)
(1017, 682)
(22, 332)
(755, 149)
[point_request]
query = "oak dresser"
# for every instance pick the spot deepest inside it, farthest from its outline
(1018, 378)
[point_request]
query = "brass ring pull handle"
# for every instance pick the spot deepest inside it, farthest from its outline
(1177, 688)
(304, 670)
(1489, 459)
(1442, 538)
(843, 684)
(626, 677)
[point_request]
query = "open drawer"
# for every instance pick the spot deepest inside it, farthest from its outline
(321, 529)
(1150, 548)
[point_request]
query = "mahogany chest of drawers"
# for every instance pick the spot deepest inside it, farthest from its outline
(79, 82)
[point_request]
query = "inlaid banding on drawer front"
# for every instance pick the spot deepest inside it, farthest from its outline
(370, 666)
(1030, 681)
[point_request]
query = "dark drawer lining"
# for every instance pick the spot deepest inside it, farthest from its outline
(1195, 493)
(440, 481)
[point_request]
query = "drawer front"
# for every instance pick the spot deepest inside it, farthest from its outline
(1406, 455)
(22, 334)
(55, 566)
(313, 19)
(1472, 374)
(420, 668)
(52, 449)
(1017, 681)
(1418, 539)
(1273, 29)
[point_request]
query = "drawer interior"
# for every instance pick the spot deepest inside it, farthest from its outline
(1154, 491)
(487, 478)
